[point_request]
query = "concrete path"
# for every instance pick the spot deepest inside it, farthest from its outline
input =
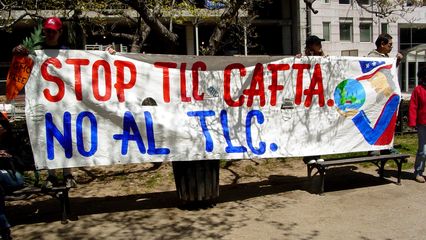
(357, 205)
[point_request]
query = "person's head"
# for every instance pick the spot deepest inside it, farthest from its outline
(384, 43)
(421, 76)
(52, 30)
(313, 46)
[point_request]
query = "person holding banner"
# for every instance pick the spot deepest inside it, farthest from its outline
(384, 47)
(417, 119)
(313, 47)
(52, 31)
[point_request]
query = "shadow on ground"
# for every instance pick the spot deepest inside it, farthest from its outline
(339, 178)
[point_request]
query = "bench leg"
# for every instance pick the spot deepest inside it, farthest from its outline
(382, 167)
(399, 164)
(321, 171)
(36, 178)
(65, 206)
(310, 168)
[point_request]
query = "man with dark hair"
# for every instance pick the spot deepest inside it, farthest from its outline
(313, 46)
(384, 46)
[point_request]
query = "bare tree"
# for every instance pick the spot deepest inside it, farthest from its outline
(151, 17)
(386, 8)
(12, 12)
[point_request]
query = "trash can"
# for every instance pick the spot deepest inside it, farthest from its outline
(196, 181)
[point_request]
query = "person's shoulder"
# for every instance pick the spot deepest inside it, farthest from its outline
(418, 89)
(374, 53)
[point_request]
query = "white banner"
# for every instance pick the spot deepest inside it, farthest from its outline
(87, 108)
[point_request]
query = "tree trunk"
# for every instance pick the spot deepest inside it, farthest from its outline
(140, 37)
(152, 21)
(227, 18)
(76, 35)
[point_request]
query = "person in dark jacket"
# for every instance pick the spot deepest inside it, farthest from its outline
(10, 178)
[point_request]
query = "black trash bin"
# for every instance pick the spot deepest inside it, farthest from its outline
(197, 181)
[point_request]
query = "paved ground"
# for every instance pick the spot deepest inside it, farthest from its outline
(275, 204)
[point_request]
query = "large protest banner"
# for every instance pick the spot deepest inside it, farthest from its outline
(87, 108)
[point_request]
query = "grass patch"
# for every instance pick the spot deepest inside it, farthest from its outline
(222, 163)
(344, 155)
(153, 180)
(390, 164)
(405, 166)
(250, 169)
(30, 178)
(406, 143)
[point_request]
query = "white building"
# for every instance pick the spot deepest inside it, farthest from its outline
(351, 31)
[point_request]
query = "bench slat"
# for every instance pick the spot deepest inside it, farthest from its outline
(380, 161)
(336, 162)
(60, 193)
(33, 189)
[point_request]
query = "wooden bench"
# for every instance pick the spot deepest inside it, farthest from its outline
(379, 161)
(60, 193)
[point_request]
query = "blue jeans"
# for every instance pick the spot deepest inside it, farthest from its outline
(419, 165)
(9, 182)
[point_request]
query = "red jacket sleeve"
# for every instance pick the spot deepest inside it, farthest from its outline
(412, 111)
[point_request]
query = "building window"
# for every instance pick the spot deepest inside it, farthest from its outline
(353, 53)
(344, 1)
(384, 28)
(326, 31)
(365, 32)
(364, 2)
(346, 29)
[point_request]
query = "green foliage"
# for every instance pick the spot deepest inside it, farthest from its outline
(222, 163)
(35, 40)
(406, 166)
(406, 143)
(344, 155)
(153, 180)
(250, 170)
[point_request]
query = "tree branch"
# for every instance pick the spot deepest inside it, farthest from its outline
(384, 8)
(226, 19)
(152, 20)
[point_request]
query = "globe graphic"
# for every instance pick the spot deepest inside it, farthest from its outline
(349, 95)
